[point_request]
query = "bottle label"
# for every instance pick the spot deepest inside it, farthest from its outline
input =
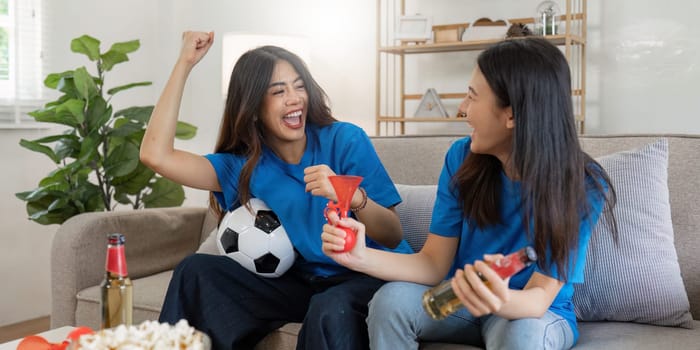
(116, 261)
(508, 265)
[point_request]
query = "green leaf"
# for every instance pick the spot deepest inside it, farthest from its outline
(134, 182)
(112, 58)
(126, 46)
(42, 192)
(45, 217)
(23, 195)
(52, 79)
(74, 108)
(49, 115)
(88, 150)
(88, 197)
(50, 139)
(185, 131)
(114, 90)
(86, 45)
(122, 197)
(69, 146)
(164, 193)
(98, 114)
(54, 184)
(137, 137)
(58, 102)
(141, 114)
(37, 147)
(68, 175)
(58, 204)
(125, 127)
(84, 83)
(122, 160)
(67, 86)
(38, 211)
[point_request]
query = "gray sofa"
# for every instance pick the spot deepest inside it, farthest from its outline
(159, 238)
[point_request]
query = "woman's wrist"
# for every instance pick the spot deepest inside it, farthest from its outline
(363, 202)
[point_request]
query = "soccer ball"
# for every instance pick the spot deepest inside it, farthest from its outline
(257, 242)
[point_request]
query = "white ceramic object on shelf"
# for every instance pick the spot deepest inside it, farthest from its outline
(486, 29)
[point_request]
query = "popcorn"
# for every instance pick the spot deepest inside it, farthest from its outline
(149, 335)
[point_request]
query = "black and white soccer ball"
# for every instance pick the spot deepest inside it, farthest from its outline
(258, 242)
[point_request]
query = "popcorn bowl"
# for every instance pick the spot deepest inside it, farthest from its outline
(149, 335)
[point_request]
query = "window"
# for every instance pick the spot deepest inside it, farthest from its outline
(21, 73)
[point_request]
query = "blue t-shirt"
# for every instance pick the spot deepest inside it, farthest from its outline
(508, 236)
(347, 150)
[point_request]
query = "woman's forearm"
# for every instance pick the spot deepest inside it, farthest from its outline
(158, 141)
(382, 224)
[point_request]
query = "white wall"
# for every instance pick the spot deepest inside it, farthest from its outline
(642, 72)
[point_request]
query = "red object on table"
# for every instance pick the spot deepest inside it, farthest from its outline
(36, 342)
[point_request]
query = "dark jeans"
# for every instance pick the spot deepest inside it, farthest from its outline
(237, 308)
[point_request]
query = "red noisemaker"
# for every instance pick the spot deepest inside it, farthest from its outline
(344, 186)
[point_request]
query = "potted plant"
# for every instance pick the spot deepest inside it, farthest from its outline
(97, 156)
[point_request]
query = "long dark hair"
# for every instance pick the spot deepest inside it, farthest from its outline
(242, 130)
(532, 76)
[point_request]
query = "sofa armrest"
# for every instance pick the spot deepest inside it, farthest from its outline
(156, 240)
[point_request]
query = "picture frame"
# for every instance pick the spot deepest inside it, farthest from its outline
(413, 28)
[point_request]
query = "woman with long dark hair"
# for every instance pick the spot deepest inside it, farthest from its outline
(279, 143)
(520, 179)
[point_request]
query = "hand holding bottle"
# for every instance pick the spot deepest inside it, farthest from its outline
(482, 287)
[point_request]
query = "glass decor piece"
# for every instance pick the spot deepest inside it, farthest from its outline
(546, 20)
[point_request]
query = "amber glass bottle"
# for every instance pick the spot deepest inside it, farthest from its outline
(117, 290)
(440, 301)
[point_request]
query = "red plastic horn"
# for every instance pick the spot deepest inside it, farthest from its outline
(344, 186)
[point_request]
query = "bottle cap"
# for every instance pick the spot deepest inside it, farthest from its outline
(531, 254)
(116, 238)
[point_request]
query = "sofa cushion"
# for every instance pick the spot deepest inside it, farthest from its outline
(415, 212)
(638, 279)
(633, 336)
(209, 244)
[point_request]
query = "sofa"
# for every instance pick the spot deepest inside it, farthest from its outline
(157, 239)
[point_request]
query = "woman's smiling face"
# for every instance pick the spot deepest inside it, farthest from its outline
(284, 107)
(492, 124)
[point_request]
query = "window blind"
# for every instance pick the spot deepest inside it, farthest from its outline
(21, 65)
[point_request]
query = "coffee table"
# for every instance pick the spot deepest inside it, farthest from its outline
(55, 335)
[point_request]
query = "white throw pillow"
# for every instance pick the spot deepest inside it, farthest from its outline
(639, 279)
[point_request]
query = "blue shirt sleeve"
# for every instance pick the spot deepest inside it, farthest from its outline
(228, 168)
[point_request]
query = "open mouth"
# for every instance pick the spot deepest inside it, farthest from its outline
(293, 119)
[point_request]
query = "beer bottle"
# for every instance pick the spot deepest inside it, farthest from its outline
(117, 290)
(440, 301)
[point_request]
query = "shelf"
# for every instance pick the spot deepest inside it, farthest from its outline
(421, 119)
(393, 101)
(435, 119)
(469, 45)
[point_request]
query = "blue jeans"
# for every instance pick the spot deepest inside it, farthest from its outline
(397, 320)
